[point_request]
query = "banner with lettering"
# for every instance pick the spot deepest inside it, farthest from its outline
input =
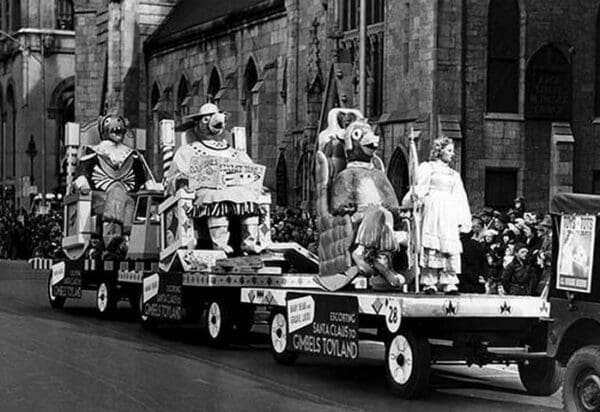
(323, 325)
(576, 253)
(162, 295)
(213, 172)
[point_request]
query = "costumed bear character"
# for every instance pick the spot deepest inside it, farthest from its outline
(115, 172)
(364, 191)
(218, 205)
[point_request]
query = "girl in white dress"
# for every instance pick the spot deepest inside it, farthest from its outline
(446, 213)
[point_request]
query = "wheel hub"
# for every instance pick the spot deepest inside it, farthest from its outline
(278, 333)
(400, 360)
(589, 392)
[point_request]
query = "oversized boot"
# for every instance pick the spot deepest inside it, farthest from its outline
(387, 276)
(249, 227)
(218, 229)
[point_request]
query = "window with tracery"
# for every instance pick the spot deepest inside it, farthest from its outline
(64, 15)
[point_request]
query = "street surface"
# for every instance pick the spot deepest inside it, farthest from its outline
(71, 360)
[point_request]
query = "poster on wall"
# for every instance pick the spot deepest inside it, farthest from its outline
(576, 253)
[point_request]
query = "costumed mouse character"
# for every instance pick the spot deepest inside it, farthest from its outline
(218, 204)
(331, 140)
(116, 171)
(365, 192)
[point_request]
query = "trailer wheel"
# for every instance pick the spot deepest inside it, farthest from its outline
(278, 334)
(218, 323)
(56, 302)
(407, 364)
(541, 377)
(106, 299)
(581, 389)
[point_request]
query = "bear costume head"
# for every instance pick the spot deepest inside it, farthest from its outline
(208, 122)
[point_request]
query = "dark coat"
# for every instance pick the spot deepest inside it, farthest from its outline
(516, 278)
(473, 265)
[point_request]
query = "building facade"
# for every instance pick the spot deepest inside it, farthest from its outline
(110, 63)
(513, 82)
(36, 93)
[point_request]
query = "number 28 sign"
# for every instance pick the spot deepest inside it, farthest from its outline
(393, 315)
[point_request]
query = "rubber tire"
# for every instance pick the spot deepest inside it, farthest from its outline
(542, 377)
(586, 358)
(56, 302)
(284, 356)
(223, 334)
(418, 379)
(111, 299)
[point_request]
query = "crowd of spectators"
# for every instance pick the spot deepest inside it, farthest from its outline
(294, 225)
(507, 253)
(24, 234)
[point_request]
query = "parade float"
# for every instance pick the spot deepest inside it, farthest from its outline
(198, 249)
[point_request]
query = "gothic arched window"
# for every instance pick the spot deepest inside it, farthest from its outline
(503, 56)
(214, 85)
(64, 15)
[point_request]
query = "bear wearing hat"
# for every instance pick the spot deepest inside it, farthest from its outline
(206, 141)
(114, 171)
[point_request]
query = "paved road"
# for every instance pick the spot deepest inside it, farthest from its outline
(71, 360)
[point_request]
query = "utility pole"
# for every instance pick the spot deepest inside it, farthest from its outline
(362, 55)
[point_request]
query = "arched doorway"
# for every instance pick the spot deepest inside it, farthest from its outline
(250, 79)
(547, 99)
(398, 173)
(63, 101)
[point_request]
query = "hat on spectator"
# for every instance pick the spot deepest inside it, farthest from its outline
(487, 211)
(490, 232)
(501, 217)
(545, 223)
(513, 211)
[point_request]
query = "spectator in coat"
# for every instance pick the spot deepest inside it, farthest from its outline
(474, 266)
(516, 278)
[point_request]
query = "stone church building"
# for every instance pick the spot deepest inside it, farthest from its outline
(513, 82)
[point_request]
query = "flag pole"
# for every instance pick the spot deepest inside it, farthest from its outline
(416, 217)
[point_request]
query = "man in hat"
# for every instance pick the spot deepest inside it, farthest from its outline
(217, 204)
(519, 206)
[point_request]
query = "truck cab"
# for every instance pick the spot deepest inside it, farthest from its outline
(573, 336)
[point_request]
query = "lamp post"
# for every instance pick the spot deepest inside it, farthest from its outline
(32, 153)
